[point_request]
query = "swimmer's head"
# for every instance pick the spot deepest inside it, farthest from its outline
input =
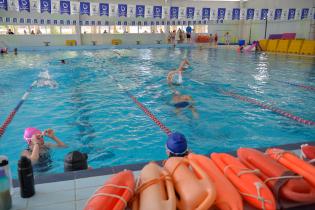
(75, 161)
(176, 145)
(29, 132)
(62, 61)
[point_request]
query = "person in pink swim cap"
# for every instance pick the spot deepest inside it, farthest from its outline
(37, 150)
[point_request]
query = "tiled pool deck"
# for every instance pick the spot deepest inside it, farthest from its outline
(70, 191)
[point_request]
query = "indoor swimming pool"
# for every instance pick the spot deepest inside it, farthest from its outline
(90, 110)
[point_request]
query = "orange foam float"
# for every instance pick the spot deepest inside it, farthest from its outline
(114, 194)
(227, 197)
(202, 39)
(292, 162)
(155, 190)
(277, 177)
(193, 188)
(250, 186)
(308, 151)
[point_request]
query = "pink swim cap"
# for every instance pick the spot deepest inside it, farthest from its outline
(29, 132)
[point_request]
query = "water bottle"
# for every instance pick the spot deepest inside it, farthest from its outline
(26, 177)
(5, 196)
(4, 163)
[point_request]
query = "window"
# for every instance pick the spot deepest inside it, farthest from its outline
(144, 29)
(86, 29)
(68, 30)
(104, 29)
(201, 29)
(133, 29)
(55, 29)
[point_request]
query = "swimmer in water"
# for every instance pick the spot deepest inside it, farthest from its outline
(63, 61)
(177, 72)
(181, 102)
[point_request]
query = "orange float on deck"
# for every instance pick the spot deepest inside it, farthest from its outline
(252, 189)
(293, 163)
(203, 39)
(194, 189)
(114, 194)
(156, 190)
(308, 151)
(294, 189)
(227, 197)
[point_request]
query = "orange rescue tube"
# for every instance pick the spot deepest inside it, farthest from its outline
(293, 189)
(252, 189)
(194, 189)
(293, 163)
(227, 197)
(156, 190)
(308, 151)
(114, 194)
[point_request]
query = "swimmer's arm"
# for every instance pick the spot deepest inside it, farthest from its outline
(58, 141)
(34, 156)
(50, 133)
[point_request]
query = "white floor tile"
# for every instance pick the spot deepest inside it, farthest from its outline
(80, 204)
(51, 198)
(59, 206)
(85, 193)
(91, 181)
(17, 201)
(55, 187)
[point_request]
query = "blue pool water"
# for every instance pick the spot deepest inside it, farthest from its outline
(92, 114)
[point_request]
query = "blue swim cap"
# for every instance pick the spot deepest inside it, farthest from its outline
(176, 143)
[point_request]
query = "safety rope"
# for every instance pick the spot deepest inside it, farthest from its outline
(282, 177)
(14, 111)
(110, 194)
(307, 87)
(144, 109)
(258, 185)
(271, 108)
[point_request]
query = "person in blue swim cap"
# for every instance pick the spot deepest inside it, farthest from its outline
(176, 145)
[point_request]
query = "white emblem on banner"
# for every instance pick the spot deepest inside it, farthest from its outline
(148, 11)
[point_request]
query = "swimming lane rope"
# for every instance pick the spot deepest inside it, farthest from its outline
(14, 111)
(307, 87)
(271, 108)
(166, 130)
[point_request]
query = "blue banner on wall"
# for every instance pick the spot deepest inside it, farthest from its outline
(24, 5)
(45, 6)
(84, 8)
(304, 14)
(278, 13)
(190, 12)
(250, 14)
(174, 12)
(65, 7)
(221, 13)
(291, 14)
(140, 10)
(104, 8)
(157, 11)
(4, 4)
(264, 14)
(236, 14)
(122, 10)
(206, 13)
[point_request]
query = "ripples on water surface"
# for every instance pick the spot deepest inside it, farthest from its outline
(91, 114)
